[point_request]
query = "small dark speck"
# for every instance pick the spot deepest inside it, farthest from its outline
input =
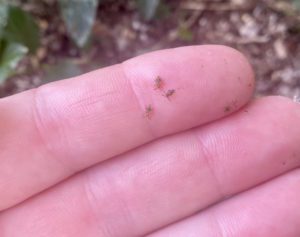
(227, 109)
(250, 85)
(246, 111)
(284, 163)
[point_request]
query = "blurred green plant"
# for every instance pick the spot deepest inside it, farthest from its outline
(79, 17)
(148, 8)
(10, 55)
(19, 35)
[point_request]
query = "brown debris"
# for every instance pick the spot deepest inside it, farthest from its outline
(227, 109)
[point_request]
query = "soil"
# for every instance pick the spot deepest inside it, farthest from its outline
(266, 31)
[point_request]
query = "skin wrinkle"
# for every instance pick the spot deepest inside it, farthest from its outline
(194, 163)
(212, 224)
(90, 101)
(179, 155)
(278, 123)
(92, 198)
(84, 109)
(218, 224)
(103, 102)
(40, 125)
(150, 128)
(208, 156)
(235, 221)
(218, 142)
(235, 216)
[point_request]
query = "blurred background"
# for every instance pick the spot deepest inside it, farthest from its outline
(47, 40)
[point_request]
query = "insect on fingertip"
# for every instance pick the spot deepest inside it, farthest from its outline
(158, 83)
(169, 93)
(149, 111)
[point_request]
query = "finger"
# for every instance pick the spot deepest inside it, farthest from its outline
(169, 179)
(52, 132)
(272, 209)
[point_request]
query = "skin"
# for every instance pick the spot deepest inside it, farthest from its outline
(79, 158)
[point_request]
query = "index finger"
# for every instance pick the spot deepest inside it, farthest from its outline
(59, 129)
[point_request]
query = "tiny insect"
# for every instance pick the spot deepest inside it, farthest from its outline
(169, 93)
(149, 111)
(158, 83)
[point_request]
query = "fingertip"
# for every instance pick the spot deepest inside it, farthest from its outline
(209, 82)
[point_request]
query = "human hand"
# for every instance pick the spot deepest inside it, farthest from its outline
(117, 153)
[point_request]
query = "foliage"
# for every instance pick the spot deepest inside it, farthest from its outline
(18, 35)
(21, 28)
(79, 17)
(148, 8)
(11, 54)
(3, 17)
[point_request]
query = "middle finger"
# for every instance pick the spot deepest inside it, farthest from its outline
(169, 179)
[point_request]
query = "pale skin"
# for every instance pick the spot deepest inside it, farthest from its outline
(80, 158)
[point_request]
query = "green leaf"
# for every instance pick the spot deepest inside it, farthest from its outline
(79, 17)
(22, 29)
(148, 8)
(3, 17)
(11, 54)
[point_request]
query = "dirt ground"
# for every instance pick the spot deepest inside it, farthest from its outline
(266, 31)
